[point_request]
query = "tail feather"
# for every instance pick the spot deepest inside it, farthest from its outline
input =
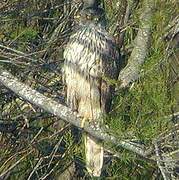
(94, 156)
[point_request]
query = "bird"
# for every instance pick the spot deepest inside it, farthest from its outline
(91, 64)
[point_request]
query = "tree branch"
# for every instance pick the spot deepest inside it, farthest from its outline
(63, 112)
(131, 72)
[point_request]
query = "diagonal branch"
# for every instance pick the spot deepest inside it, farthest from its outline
(63, 112)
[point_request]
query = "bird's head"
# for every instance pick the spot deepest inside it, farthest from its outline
(92, 13)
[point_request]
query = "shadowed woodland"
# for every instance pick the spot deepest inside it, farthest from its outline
(140, 133)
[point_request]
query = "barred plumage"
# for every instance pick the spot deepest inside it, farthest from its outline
(90, 63)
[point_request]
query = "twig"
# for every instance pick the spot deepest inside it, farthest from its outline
(35, 168)
(164, 174)
(41, 129)
(54, 151)
(14, 165)
(21, 54)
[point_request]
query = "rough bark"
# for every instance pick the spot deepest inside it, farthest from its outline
(131, 72)
(66, 114)
(63, 112)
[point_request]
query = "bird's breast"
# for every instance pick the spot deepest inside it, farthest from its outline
(88, 50)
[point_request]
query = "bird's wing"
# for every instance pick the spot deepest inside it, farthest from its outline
(110, 67)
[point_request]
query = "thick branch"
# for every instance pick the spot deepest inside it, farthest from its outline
(62, 111)
(131, 72)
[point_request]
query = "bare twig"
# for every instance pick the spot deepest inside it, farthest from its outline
(15, 164)
(54, 151)
(163, 171)
(20, 54)
(35, 168)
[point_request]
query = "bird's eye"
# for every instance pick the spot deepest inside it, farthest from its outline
(96, 18)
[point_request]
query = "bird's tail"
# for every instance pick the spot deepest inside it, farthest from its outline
(94, 156)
